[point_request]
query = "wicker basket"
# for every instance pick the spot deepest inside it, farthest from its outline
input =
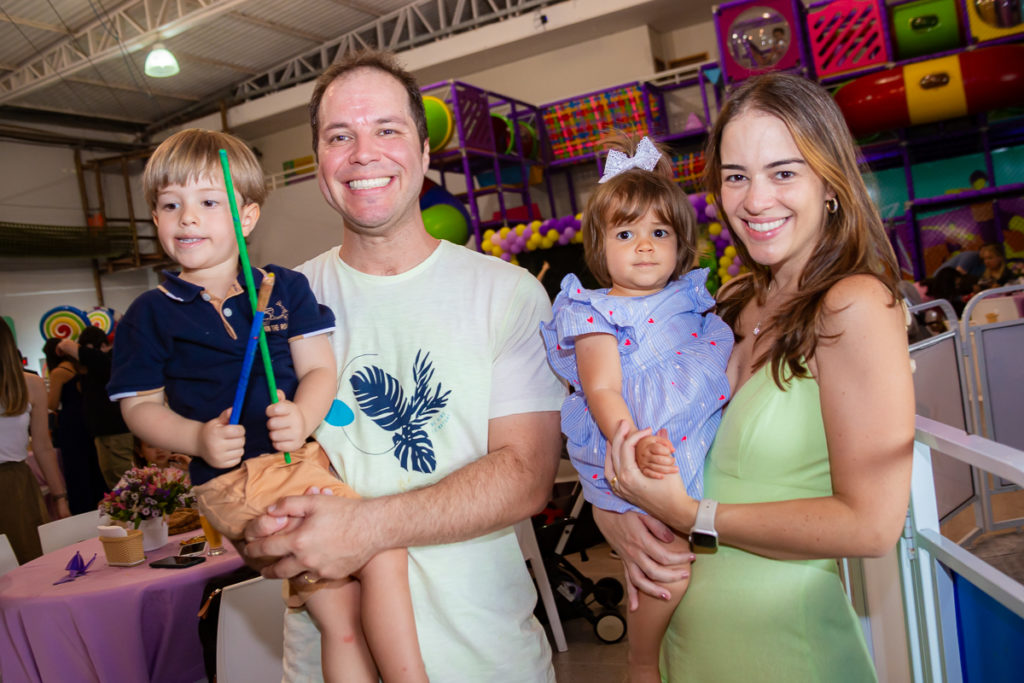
(124, 551)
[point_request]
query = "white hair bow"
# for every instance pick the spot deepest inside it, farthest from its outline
(646, 157)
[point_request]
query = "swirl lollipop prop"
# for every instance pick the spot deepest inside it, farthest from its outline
(102, 318)
(63, 322)
(250, 284)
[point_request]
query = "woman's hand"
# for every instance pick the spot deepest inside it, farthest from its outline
(666, 499)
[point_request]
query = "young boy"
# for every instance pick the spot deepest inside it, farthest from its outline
(177, 360)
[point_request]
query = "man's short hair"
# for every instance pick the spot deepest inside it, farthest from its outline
(194, 153)
(368, 59)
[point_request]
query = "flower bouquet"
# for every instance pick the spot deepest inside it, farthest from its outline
(147, 493)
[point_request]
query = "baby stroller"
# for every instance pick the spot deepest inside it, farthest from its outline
(560, 534)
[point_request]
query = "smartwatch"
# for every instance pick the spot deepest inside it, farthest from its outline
(703, 534)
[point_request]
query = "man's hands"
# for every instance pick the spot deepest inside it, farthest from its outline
(330, 536)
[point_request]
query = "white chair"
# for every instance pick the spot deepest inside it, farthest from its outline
(8, 560)
(250, 632)
(531, 551)
(64, 532)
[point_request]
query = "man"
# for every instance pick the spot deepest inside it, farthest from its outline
(447, 416)
(114, 443)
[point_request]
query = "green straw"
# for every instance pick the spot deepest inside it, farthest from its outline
(250, 285)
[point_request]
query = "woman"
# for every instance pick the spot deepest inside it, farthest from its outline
(71, 435)
(812, 459)
(23, 412)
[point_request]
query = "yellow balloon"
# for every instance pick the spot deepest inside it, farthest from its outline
(579, 216)
(725, 261)
(578, 238)
(488, 234)
(710, 198)
(503, 233)
(729, 251)
(547, 243)
(552, 235)
(726, 278)
(496, 250)
(520, 228)
(486, 245)
(715, 229)
(514, 261)
(535, 224)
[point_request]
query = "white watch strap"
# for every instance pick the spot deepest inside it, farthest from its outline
(706, 516)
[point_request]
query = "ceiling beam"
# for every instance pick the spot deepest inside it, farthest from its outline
(131, 88)
(32, 23)
(131, 26)
(280, 28)
(359, 6)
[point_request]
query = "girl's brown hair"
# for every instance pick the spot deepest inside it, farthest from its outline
(13, 389)
(852, 241)
(626, 198)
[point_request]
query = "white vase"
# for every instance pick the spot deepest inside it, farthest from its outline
(154, 533)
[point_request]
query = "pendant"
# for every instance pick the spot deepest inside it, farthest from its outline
(757, 328)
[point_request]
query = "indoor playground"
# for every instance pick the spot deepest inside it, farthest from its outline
(519, 97)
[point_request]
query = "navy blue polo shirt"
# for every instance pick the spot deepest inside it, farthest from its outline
(179, 338)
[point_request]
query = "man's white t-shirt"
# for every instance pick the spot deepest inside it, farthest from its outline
(425, 359)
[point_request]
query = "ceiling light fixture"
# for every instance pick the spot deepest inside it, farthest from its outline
(160, 63)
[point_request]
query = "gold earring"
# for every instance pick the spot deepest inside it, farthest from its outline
(832, 205)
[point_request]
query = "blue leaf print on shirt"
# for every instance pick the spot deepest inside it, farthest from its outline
(382, 398)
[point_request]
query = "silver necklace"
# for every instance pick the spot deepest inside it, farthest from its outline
(757, 327)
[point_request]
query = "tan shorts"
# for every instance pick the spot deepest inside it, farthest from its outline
(233, 499)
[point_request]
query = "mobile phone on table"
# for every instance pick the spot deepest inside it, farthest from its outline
(195, 548)
(177, 562)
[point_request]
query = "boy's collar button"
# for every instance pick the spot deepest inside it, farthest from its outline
(227, 312)
(206, 297)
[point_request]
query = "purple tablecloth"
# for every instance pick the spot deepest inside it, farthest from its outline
(115, 624)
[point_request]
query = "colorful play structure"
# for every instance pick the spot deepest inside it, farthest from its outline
(930, 87)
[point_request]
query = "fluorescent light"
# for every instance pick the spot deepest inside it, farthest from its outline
(160, 63)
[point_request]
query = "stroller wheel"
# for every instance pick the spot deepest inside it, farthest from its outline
(608, 591)
(610, 627)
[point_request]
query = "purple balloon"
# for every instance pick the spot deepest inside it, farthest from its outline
(733, 270)
(563, 239)
(527, 233)
(505, 256)
(709, 211)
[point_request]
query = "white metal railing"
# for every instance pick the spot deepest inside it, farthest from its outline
(927, 559)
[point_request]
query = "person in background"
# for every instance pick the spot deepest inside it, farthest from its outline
(23, 414)
(998, 271)
(70, 433)
(146, 454)
(446, 416)
(813, 456)
(114, 443)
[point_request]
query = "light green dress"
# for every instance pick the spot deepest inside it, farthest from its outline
(747, 617)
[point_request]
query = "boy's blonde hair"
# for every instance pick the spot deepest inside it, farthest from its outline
(626, 198)
(194, 153)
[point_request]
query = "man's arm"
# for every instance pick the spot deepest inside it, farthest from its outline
(338, 535)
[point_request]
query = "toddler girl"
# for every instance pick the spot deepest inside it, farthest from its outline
(644, 351)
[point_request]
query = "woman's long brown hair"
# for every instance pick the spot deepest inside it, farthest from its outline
(852, 241)
(13, 389)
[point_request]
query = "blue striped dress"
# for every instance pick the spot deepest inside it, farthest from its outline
(673, 357)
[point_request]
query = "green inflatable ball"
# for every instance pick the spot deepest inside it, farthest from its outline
(445, 222)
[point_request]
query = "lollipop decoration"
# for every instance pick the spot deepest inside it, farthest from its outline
(102, 318)
(250, 284)
(63, 322)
